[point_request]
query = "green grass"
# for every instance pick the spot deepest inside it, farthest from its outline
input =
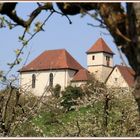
(122, 120)
(90, 120)
(55, 125)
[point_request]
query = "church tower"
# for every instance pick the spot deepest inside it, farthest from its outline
(100, 60)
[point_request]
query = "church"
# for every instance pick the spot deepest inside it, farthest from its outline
(54, 67)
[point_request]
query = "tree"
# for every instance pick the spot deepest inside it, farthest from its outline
(124, 26)
(57, 90)
(70, 97)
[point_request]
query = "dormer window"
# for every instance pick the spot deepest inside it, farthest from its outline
(93, 57)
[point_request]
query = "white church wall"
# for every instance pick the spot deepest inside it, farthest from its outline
(61, 77)
(70, 75)
(116, 79)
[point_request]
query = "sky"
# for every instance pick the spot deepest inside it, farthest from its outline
(76, 38)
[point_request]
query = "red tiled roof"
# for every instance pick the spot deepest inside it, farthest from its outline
(100, 46)
(53, 59)
(127, 73)
(82, 75)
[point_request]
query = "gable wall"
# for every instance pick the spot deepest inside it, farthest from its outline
(120, 82)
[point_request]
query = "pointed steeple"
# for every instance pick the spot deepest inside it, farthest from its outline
(100, 46)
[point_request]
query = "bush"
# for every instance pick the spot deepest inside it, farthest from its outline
(70, 96)
(57, 90)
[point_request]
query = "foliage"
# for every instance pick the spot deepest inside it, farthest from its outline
(88, 120)
(15, 109)
(57, 90)
(70, 96)
(28, 129)
(100, 111)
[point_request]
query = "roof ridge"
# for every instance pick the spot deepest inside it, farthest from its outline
(56, 49)
(123, 66)
(102, 42)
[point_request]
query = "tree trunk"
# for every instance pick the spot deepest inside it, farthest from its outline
(137, 91)
(134, 34)
(105, 114)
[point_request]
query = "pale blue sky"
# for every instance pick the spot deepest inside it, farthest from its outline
(76, 38)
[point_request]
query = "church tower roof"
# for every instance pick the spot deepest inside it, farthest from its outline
(100, 46)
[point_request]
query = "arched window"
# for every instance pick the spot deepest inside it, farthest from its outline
(51, 79)
(33, 80)
(108, 60)
(93, 57)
